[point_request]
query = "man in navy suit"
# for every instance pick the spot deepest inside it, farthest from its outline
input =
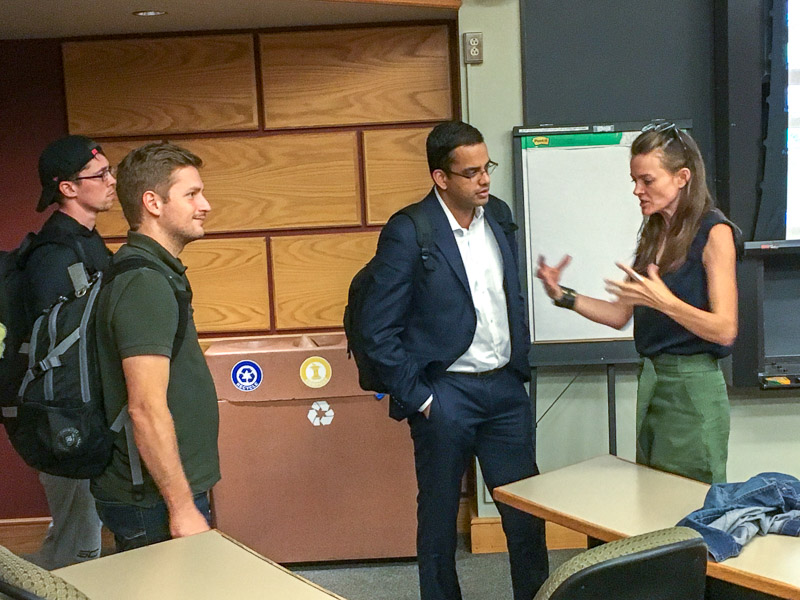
(449, 334)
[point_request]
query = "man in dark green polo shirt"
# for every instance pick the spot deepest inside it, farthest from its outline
(171, 399)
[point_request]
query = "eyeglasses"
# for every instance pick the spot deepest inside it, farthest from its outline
(105, 174)
(473, 173)
(660, 125)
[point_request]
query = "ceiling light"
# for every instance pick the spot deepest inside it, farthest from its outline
(149, 13)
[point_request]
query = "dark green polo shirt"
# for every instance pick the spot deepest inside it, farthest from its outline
(137, 314)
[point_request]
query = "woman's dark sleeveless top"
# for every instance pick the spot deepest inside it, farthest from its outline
(656, 333)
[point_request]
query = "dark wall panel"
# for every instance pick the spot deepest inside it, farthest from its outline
(32, 114)
(739, 133)
(772, 209)
(623, 60)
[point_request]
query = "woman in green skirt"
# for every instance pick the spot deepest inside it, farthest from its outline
(681, 293)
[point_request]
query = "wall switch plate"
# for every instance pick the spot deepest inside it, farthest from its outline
(473, 48)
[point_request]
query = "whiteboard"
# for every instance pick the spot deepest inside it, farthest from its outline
(578, 200)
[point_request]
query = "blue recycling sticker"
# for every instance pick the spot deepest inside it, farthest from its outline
(246, 375)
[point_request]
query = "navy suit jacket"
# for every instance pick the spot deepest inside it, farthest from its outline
(421, 318)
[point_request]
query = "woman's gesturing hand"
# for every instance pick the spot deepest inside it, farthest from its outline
(642, 291)
(551, 276)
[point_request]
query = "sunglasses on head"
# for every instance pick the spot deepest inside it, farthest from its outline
(662, 125)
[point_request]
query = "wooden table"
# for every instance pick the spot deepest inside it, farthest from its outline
(609, 498)
(208, 565)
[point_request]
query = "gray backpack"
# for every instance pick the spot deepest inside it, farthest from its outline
(58, 424)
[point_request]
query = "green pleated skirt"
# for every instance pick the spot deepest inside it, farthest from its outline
(683, 416)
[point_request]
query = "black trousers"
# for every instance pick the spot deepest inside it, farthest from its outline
(488, 417)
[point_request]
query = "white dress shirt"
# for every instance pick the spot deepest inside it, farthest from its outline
(491, 345)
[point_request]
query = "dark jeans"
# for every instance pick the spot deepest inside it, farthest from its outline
(136, 526)
(489, 417)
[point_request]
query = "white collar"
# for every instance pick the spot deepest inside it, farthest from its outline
(454, 225)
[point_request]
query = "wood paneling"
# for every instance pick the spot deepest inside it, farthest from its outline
(306, 180)
(453, 4)
(276, 182)
(258, 181)
(229, 283)
(349, 76)
(312, 274)
(396, 170)
(486, 536)
(25, 536)
(113, 223)
(161, 85)
(229, 280)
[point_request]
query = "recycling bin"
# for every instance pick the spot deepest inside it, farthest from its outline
(313, 468)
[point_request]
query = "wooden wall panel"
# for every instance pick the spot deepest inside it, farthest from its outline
(229, 280)
(350, 76)
(275, 182)
(312, 274)
(229, 283)
(453, 4)
(113, 223)
(396, 171)
(161, 85)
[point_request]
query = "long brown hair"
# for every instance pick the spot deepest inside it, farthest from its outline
(678, 150)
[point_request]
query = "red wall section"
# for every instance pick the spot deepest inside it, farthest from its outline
(21, 494)
(32, 114)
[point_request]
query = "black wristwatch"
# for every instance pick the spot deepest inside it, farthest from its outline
(567, 299)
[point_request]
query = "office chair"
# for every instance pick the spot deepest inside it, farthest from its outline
(23, 580)
(668, 564)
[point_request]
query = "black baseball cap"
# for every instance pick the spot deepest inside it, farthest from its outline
(60, 161)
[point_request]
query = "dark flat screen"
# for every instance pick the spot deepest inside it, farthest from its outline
(782, 308)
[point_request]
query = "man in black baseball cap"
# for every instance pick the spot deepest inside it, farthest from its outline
(77, 177)
(61, 161)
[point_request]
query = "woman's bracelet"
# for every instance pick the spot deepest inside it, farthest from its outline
(567, 299)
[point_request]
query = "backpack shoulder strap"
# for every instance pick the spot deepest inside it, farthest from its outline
(45, 237)
(24, 249)
(182, 297)
(422, 224)
(424, 230)
(500, 212)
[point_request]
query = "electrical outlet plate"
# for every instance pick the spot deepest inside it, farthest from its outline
(473, 48)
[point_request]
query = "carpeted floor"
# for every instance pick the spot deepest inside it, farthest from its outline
(482, 576)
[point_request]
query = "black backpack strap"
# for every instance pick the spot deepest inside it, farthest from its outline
(498, 210)
(24, 250)
(45, 237)
(182, 297)
(81, 254)
(424, 230)
(184, 300)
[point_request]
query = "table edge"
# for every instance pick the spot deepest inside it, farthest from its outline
(716, 570)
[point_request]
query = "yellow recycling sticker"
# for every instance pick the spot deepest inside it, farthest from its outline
(315, 372)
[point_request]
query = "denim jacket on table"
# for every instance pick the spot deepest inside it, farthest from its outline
(734, 513)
